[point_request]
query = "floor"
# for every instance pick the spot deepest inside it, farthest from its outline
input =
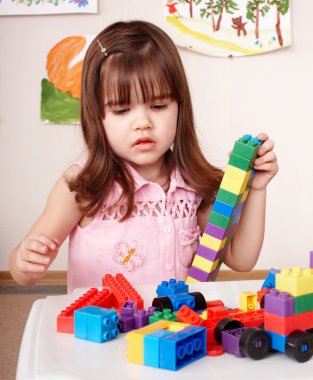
(15, 304)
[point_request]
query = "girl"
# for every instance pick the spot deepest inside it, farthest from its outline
(139, 201)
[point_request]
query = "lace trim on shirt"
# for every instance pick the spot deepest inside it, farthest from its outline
(177, 209)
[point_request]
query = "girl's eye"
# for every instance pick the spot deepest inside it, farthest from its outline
(159, 106)
(120, 111)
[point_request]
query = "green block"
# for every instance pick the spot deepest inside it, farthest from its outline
(246, 149)
(304, 303)
(240, 162)
(220, 220)
(228, 197)
(167, 315)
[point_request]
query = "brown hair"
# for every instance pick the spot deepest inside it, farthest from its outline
(140, 52)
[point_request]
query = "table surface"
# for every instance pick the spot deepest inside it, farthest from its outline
(46, 354)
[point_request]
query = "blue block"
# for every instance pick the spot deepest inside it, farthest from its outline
(223, 208)
(96, 324)
(167, 288)
(270, 280)
(151, 347)
(179, 300)
(278, 342)
(182, 348)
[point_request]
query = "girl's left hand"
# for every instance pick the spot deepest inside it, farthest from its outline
(265, 165)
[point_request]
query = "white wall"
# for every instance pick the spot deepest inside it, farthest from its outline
(270, 92)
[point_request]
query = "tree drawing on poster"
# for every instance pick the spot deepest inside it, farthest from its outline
(60, 91)
(229, 28)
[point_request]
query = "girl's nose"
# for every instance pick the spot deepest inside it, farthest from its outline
(142, 120)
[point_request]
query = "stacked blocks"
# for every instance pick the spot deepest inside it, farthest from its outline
(168, 288)
(168, 345)
(65, 320)
(96, 324)
(289, 307)
(122, 291)
(226, 211)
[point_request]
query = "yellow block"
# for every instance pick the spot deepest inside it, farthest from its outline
(233, 186)
(134, 340)
(248, 301)
(212, 242)
(204, 264)
(244, 195)
(237, 174)
(190, 280)
(295, 281)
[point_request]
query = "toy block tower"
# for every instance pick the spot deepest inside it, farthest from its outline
(226, 211)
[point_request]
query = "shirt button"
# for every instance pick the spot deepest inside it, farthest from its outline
(167, 229)
(169, 266)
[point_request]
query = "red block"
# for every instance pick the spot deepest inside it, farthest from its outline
(94, 297)
(285, 325)
(122, 291)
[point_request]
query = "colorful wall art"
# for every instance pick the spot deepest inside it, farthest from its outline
(229, 28)
(60, 90)
(39, 7)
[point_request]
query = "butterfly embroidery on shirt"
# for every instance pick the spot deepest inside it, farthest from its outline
(128, 256)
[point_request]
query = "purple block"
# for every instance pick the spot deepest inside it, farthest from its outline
(210, 254)
(200, 275)
(141, 318)
(279, 303)
(230, 341)
(126, 324)
(128, 308)
(311, 259)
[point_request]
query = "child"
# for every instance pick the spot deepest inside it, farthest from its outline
(139, 201)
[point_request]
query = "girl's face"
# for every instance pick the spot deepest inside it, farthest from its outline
(139, 132)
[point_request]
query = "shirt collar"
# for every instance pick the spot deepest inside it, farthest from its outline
(177, 180)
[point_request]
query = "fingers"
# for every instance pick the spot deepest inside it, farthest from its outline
(36, 253)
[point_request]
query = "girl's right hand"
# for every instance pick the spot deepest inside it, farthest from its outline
(35, 254)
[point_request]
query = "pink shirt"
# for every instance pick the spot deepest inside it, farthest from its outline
(156, 243)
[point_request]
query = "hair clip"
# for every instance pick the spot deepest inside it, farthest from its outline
(103, 49)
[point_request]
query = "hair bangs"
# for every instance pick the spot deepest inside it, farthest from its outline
(125, 79)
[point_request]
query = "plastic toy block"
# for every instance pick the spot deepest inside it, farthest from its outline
(142, 317)
(223, 208)
(248, 301)
(250, 318)
(170, 287)
(233, 186)
(228, 197)
(96, 324)
(122, 291)
(278, 342)
(270, 280)
(214, 303)
(135, 340)
(261, 296)
(237, 174)
(65, 320)
(203, 264)
(247, 147)
(230, 341)
(279, 303)
(221, 220)
(296, 282)
(187, 315)
(179, 300)
(210, 254)
(151, 356)
(211, 242)
(180, 349)
(219, 232)
(167, 314)
(177, 326)
(285, 325)
(304, 303)
(240, 162)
